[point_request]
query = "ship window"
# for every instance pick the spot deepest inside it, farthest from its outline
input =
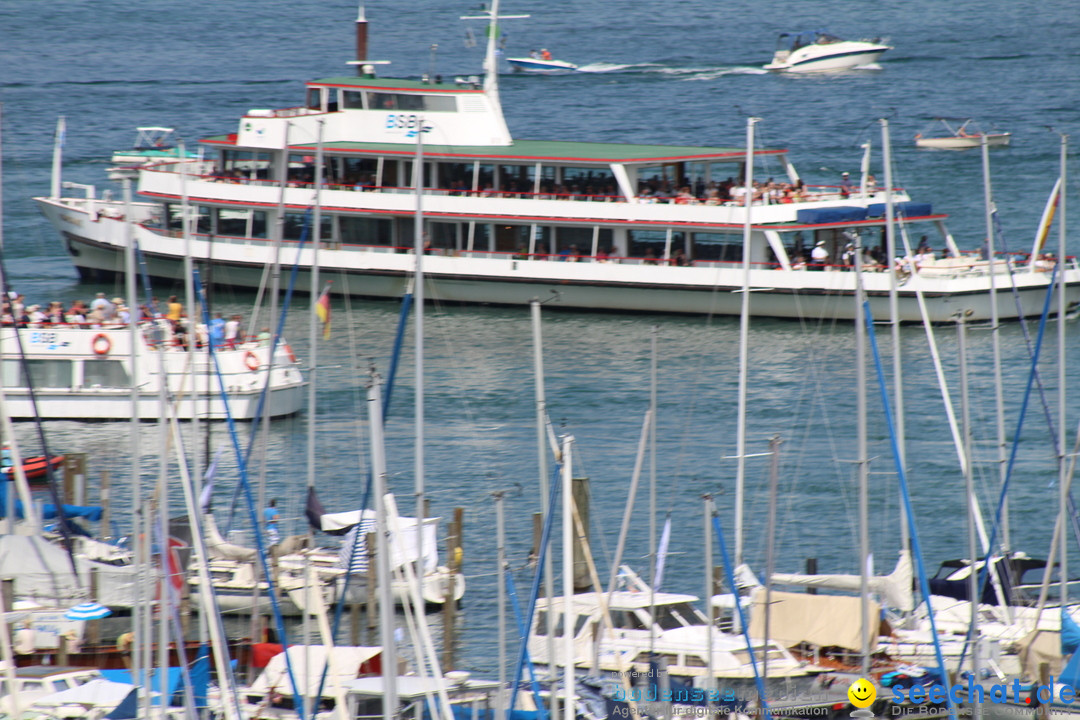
(43, 373)
(366, 231)
(719, 247)
(99, 372)
(401, 101)
(314, 98)
(352, 100)
(234, 223)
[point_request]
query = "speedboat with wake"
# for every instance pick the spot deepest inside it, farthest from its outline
(540, 63)
(819, 51)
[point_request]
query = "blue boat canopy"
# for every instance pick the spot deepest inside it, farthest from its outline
(902, 209)
(823, 216)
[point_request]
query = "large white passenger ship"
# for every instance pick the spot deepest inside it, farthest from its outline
(611, 226)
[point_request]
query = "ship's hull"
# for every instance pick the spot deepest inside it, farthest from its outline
(96, 248)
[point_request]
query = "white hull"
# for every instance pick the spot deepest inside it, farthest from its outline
(533, 65)
(827, 58)
(89, 376)
(963, 143)
(96, 247)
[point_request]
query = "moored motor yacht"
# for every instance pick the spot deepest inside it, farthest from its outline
(819, 51)
(609, 226)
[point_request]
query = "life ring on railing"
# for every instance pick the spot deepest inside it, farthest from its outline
(289, 352)
(100, 344)
(251, 361)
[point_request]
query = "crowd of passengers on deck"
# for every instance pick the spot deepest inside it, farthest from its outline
(102, 312)
(589, 186)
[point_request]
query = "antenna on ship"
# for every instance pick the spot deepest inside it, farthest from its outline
(364, 67)
(491, 65)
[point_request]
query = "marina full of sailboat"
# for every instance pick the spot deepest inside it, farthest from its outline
(327, 198)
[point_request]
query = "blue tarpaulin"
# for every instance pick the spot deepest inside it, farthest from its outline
(902, 209)
(819, 216)
(172, 683)
(48, 510)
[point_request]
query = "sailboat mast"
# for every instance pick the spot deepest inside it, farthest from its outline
(969, 490)
(501, 711)
(569, 706)
(313, 340)
(744, 343)
(864, 485)
(995, 328)
(1063, 473)
(418, 293)
(542, 465)
(894, 319)
(770, 540)
(652, 490)
(382, 554)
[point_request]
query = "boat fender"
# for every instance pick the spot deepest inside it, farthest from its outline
(251, 361)
(290, 353)
(100, 344)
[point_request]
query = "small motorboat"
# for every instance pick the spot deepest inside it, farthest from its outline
(541, 62)
(34, 467)
(152, 145)
(818, 51)
(961, 134)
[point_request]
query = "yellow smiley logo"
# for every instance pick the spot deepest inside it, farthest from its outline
(862, 693)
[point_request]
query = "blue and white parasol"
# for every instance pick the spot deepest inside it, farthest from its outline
(88, 611)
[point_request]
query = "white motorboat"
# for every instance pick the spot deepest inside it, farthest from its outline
(84, 373)
(152, 144)
(630, 227)
(961, 134)
(540, 65)
(818, 51)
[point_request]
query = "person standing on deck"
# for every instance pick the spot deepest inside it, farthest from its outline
(271, 517)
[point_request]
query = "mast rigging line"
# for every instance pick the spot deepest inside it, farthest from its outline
(50, 476)
(984, 571)
(241, 460)
(257, 419)
(916, 548)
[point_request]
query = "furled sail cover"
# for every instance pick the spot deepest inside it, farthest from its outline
(894, 588)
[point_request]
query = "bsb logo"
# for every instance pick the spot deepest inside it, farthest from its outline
(409, 125)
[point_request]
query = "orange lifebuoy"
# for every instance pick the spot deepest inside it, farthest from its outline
(290, 353)
(251, 361)
(101, 344)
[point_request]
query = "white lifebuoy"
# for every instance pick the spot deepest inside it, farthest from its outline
(100, 344)
(251, 361)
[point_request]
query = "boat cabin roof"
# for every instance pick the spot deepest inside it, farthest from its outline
(546, 151)
(412, 687)
(621, 600)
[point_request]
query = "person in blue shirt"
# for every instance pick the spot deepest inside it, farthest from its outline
(271, 517)
(217, 331)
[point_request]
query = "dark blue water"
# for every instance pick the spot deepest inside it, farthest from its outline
(681, 73)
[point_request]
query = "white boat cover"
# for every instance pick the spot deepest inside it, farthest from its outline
(405, 545)
(822, 620)
(102, 695)
(218, 548)
(344, 667)
(895, 587)
(42, 572)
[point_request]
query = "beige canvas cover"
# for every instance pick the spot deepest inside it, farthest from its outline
(823, 620)
(1041, 646)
